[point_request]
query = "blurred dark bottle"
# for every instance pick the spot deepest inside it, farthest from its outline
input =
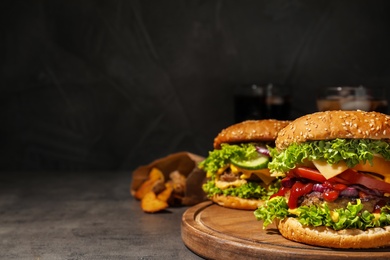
(278, 103)
(249, 102)
(260, 102)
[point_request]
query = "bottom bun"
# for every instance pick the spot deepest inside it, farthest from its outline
(322, 236)
(236, 202)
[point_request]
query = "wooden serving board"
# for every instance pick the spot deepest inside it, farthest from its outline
(215, 232)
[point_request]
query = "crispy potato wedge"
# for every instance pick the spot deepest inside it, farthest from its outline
(166, 194)
(151, 204)
(155, 174)
(145, 188)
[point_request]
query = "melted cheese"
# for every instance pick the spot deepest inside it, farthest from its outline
(263, 174)
(330, 170)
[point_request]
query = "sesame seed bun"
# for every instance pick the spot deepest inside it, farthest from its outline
(250, 131)
(292, 229)
(329, 125)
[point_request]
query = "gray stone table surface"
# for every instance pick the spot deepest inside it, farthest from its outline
(83, 216)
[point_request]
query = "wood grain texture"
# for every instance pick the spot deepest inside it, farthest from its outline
(214, 232)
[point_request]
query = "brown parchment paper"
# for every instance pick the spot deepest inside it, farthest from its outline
(184, 162)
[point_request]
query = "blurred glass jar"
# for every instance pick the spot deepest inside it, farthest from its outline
(260, 102)
(352, 98)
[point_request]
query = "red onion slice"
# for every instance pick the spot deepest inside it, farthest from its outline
(319, 187)
(262, 150)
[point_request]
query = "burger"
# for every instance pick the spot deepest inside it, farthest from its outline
(237, 173)
(334, 168)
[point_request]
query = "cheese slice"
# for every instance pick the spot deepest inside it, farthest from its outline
(263, 174)
(379, 166)
(330, 170)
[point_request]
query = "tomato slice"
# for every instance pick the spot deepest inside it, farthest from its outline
(314, 175)
(354, 177)
(309, 173)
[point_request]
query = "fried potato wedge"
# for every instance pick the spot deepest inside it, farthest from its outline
(151, 204)
(166, 194)
(155, 174)
(146, 187)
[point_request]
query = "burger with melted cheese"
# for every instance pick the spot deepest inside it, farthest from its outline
(237, 171)
(335, 180)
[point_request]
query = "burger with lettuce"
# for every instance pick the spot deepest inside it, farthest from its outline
(237, 173)
(334, 168)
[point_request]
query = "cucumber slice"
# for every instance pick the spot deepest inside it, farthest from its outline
(254, 164)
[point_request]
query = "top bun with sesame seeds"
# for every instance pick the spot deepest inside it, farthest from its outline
(335, 190)
(329, 125)
(237, 171)
(250, 131)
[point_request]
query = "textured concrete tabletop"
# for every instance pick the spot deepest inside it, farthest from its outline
(83, 216)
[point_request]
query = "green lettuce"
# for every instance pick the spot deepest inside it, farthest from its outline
(352, 151)
(353, 216)
(220, 158)
(275, 208)
(250, 190)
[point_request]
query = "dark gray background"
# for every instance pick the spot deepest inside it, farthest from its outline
(109, 85)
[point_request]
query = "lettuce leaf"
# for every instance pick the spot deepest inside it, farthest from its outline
(220, 158)
(352, 151)
(274, 208)
(353, 216)
(250, 190)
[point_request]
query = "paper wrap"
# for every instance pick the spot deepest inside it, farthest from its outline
(184, 162)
